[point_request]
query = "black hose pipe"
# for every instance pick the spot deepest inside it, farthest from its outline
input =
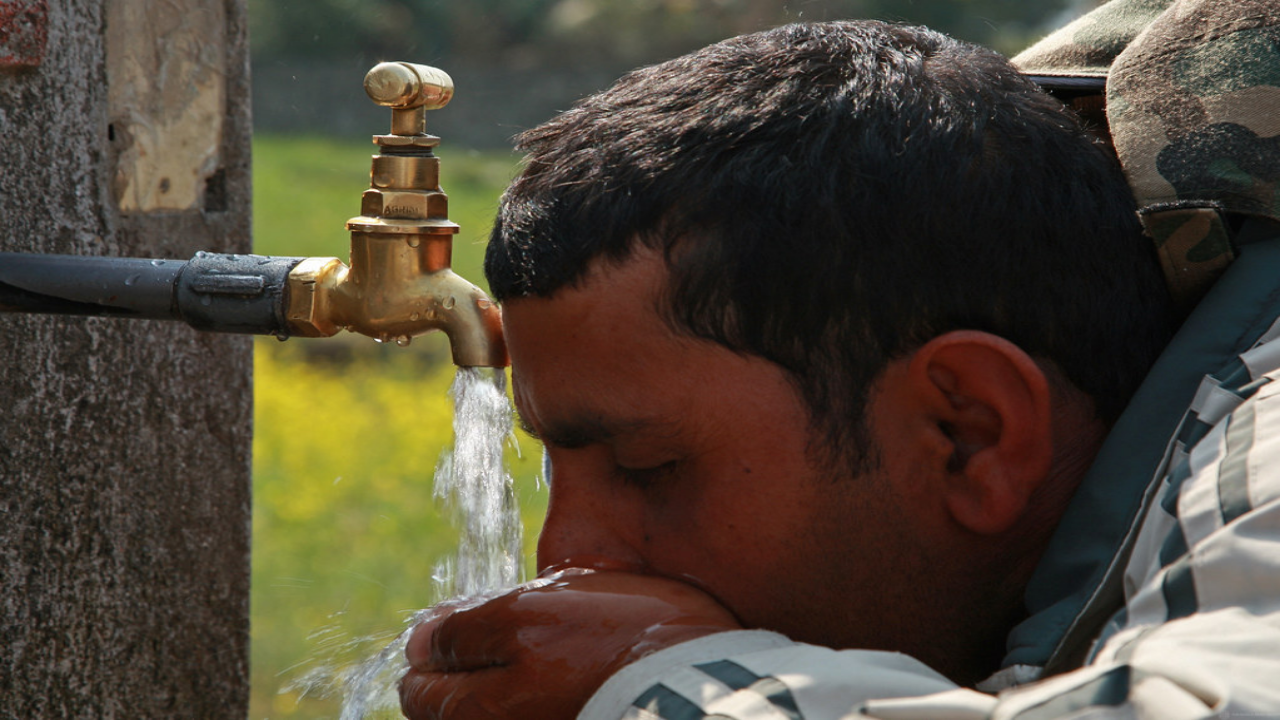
(211, 291)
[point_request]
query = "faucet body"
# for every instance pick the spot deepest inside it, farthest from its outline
(399, 284)
(397, 287)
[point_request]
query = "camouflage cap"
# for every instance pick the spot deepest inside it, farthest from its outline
(1193, 108)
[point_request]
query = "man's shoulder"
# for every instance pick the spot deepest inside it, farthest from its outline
(1224, 351)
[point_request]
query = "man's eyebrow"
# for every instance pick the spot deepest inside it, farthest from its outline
(580, 433)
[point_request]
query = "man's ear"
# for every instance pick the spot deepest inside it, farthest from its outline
(992, 404)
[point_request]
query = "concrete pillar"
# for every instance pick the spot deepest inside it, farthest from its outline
(124, 445)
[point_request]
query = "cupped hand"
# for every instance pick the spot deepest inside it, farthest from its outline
(542, 649)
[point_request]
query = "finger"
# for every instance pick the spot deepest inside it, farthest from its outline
(448, 696)
(471, 639)
(429, 696)
(417, 650)
(423, 696)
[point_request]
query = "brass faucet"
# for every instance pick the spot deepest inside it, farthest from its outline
(399, 284)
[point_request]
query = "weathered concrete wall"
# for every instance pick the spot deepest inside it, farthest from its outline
(124, 445)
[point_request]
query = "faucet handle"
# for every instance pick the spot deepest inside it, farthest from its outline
(409, 90)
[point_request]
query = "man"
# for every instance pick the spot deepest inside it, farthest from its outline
(822, 330)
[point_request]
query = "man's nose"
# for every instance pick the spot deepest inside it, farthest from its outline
(586, 523)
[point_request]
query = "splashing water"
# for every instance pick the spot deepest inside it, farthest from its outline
(474, 483)
(476, 489)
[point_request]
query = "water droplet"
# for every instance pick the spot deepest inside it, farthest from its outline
(132, 280)
(449, 302)
(157, 263)
(201, 253)
(413, 241)
(206, 301)
(404, 340)
(414, 316)
(281, 337)
(382, 338)
(483, 304)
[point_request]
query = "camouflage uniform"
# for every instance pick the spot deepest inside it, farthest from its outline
(1159, 595)
(1193, 105)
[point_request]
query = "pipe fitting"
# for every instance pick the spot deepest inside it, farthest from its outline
(399, 284)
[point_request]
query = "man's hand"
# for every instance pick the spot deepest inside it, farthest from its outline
(542, 649)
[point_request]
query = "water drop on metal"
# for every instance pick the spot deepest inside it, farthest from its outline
(414, 316)
(404, 340)
(449, 302)
(157, 263)
(413, 242)
(132, 280)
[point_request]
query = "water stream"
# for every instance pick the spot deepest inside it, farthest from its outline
(473, 482)
(475, 487)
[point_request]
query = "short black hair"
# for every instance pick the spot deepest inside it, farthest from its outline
(831, 196)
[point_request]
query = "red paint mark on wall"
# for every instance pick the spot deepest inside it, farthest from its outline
(24, 32)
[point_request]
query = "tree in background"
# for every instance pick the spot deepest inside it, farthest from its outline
(559, 33)
(518, 62)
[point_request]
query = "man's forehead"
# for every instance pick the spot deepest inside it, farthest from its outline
(642, 271)
(619, 298)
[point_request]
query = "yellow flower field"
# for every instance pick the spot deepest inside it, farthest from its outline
(347, 434)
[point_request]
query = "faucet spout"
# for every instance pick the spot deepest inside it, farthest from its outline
(472, 322)
(399, 284)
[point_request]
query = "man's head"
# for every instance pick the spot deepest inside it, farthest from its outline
(823, 321)
(831, 196)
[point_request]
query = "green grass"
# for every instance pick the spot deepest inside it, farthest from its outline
(306, 188)
(346, 531)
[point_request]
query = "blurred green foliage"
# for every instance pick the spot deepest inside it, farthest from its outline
(346, 532)
(562, 33)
